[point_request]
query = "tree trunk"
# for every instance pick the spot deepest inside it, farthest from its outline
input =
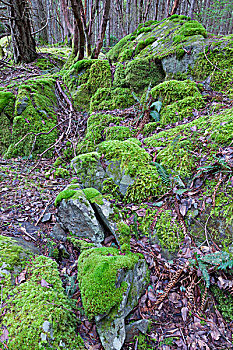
(191, 9)
(102, 30)
(175, 7)
(77, 14)
(24, 45)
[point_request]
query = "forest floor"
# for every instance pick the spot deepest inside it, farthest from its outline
(184, 316)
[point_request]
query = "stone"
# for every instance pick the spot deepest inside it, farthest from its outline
(118, 175)
(46, 217)
(111, 328)
(77, 216)
(134, 329)
(22, 105)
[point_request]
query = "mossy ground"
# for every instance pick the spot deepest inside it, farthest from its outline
(28, 305)
(7, 101)
(34, 113)
(97, 273)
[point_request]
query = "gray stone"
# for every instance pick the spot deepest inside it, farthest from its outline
(46, 217)
(92, 173)
(77, 216)
(22, 105)
(111, 328)
(134, 329)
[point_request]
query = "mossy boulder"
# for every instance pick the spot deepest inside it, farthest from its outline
(7, 101)
(111, 284)
(109, 99)
(179, 100)
(182, 48)
(139, 73)
(84, 78)
(35, 113)
(35, 302)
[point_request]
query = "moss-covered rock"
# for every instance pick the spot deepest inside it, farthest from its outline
(84, 78)
(97, 274)
(181, 148)
(35, 113)
(7, 101)
(109, 99)
(30, 307)
(179, 99)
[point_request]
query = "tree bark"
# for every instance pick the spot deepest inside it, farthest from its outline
(191, 9)
(77, 14)
(24, 45)
(102, 30)
(175, 7)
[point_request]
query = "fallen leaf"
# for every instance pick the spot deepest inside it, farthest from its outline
(184, 313)
(44, 283)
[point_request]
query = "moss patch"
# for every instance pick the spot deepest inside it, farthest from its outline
(84, 78)
(109, 99)
(35, 112)
(7, 101)
(28, 305)
(97, 274)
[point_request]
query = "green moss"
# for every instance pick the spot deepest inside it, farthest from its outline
(7, 101)
(124, 236)
(61, 172)
(224, 302)
(119, 76)
(11, 253)
(34, 304)
(97, 274)
(109, 99)
(34, 113)
(169, 231)
(80, 244)
(85, 77)
(189, 28)
(114, 52)
(139, 73)
(118, 133)
(179, 99)
(66, 194)
(93, 195)
(180, 146)
(144, 43)
(220, 55)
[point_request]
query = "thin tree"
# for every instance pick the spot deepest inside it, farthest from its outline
(23, 42)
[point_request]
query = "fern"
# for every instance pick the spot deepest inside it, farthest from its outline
(162, 173)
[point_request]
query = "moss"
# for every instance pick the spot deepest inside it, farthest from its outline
(61, 172)
(169, 231)
(124, 236)
(109, 99)
(35, 304)
(118, 133)
(66, 194)
(139, 73)
(93, 196)
(80, 244)
(97, 274)
(114, 52)
(224, 302)
(144, 43)
(34, 113)
(189, 28)
(119, 76)
(85, 77)
(179, 99)
(7, 101)
(218, 55)
(110, 189)
(127, 54)
(180, 146)
(11, 253)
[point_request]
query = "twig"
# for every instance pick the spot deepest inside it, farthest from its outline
(211, 62)
(27, 234)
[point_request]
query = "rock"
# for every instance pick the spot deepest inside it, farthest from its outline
(22, 105)
(134, 329)
(77, 216)
(46, 217)
(118, 175)
(111, 328)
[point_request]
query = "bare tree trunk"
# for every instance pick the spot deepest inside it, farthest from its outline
(167, 8)
(156, 10)
(191, 9)
(77, 14)
(24, 45)
(102, 30)
(175, 7)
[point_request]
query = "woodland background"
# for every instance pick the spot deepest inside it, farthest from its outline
(92, 24)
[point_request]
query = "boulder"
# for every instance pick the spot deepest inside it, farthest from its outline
(75, 214)
(111, 284)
